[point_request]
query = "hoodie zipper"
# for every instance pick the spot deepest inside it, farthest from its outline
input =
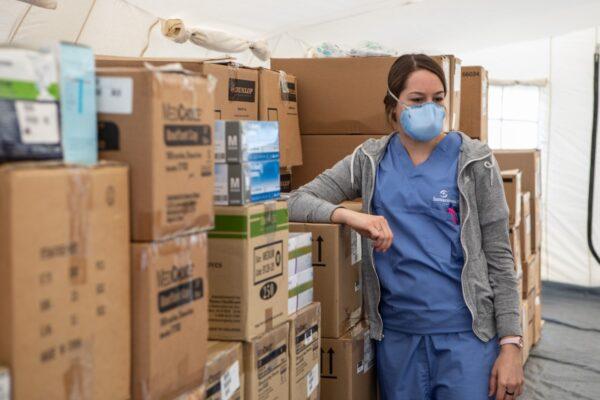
(371, 252)
(462, 242)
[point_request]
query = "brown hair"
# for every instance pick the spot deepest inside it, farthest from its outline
(399, 73)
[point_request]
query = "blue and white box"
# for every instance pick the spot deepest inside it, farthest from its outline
(244, 183)
(246, 141)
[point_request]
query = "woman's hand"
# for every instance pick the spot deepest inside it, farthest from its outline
(374, 227)
(507, 374)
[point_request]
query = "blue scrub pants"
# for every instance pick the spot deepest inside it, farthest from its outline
(447, 366)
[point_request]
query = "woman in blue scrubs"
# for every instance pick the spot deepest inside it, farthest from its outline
(431, 344)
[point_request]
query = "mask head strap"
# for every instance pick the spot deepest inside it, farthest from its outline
(393, 95)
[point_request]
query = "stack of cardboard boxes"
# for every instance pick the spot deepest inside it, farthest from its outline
(161, 124)
(522, 185)
(474, 102)
(341, 104)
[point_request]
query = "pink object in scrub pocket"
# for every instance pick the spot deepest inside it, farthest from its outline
(453, 214)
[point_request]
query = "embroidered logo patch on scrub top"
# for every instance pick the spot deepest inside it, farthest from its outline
(442, 197)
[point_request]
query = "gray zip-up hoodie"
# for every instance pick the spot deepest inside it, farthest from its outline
(489, 282)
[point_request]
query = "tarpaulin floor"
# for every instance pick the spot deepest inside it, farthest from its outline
(565, 364)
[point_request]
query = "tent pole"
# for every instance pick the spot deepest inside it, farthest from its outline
(593, 159)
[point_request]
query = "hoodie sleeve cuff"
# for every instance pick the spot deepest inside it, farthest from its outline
(509, 325)
(324, 211)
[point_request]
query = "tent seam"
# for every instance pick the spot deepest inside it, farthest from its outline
(85, 21)
(18, 26)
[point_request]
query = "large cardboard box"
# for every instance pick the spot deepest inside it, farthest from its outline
(529, 273)
(454, 91)
(161, 125)
(348, 366)
(512, 190)
(197, 393)
(336, 257)
(305, 353)
(224, 374)
(529, 162)
(64, 280)
(474, 102)
(526, 334)
(525, 226)
(266, 365)
(170, 315)
(248, 270)
(4, 384)
(345, 95)
(278, 101)
(321, 152)
(515, 244)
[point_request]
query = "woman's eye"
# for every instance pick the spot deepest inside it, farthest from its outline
(439, 99)
(419, 100)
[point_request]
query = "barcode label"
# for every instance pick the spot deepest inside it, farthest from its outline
(230, 381)
(312, 380)
(38, 122)
(114, 95)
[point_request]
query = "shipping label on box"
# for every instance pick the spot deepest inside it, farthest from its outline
(278, 101)
(172, 161)
(266, 365)
(305, 353)
(347, 366)
(170, 308)
(236, 92)
(224, 378)
(243, 141)
(248, 270)
(70, 227)
(251, 182)
(29, 94)
(336, 278)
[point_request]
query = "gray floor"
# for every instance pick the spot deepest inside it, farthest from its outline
(565, 364)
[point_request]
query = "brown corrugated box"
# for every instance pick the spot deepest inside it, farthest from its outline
(248, 270)
(236, 90)
(336, 254)
(163, 129)
(512, 190)
(345, 95)
(455, 90)
(197, 393)
(278, 101)
(321, 152)
(529, 162)
(474, 102)
(537, 320)
(170, 315)
(64, 280)
(348, 367)
(266, 365)
(526, 334)
(305, 353)
(515, 244)
(529, 273)
(224, 373)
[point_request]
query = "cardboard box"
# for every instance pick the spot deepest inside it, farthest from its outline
(266, 365)
(512, 190)
(197, 393)
(300, 290)
(474, 102)
(305, 353)
(362, 84)
(285, 179)
(299, 252)
(243, 141)
(251, 182)
(170, 311)
(348, 366)
(530, 301)
(160, 124)
(529, 162)
(529, 274)
(525, 225)
(248, 270)
(321, 152)
(336, 257)
(454, 87)
(515, 244)
(236, 93)
(64, 300)
(30, 123)
(224, 377)
(526, 333)
(4, 383)
(537, 320)
(278, 101)
(538, 275)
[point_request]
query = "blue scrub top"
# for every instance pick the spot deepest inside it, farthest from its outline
(420, 274)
